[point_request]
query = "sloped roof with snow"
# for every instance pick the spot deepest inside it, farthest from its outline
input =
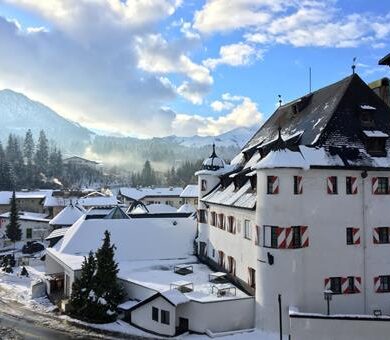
(283, 158)
(98, 201)
(140, 193)
(57, 233)
(68, 215)
(156, 208)
(190, 191)
(5, 197)
(186, 208)
(134, 238)
(28, 216)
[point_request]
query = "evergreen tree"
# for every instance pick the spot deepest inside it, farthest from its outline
(13, 231)
(6, 179)
(107, 292)
(42, 153)
(28, 147)
(82, 288)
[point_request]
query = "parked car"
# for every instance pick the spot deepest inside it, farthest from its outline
(32, 247)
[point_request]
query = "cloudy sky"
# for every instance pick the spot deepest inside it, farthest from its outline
(159, 67)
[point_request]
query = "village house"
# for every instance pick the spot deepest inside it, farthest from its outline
(79, 162)
(155, 255)
(150, 195)
(34, 226)
(301, 212)
(190, 195)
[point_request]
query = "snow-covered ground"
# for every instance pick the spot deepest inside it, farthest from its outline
(14, 287)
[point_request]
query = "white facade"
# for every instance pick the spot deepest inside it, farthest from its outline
(327, 216)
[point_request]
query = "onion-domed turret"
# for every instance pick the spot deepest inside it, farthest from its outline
(213, 162)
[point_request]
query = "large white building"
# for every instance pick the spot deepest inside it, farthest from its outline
(303, 210)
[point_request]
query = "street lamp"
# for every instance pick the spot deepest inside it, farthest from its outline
(328, 297)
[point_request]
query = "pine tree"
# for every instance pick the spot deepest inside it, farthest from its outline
(6, 179)
(42, 153)
(107, 292)
(13, 231)
(82, 288)
(28, 147)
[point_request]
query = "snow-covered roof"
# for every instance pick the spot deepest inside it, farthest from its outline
(159, 275)
(367, 107)
(98, 201)
(28, 216)
(68, 215)
(175, 297)
(375, 133)
(156, 208)
(57, 233)
(283, 158)
(244, 197)
(186, 208)
(134, 238)
(140, 193)
(5, 196)
(53, 201)
(190, 191)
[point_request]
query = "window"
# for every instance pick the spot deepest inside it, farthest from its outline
(28, 233)
(270, 237)
(213, 221)
(221, 221)
(381, 185)
(351, 185)
(155, 314)
(335, 285)
(203, 184)
(252, 277)
(202, 216)
(298, 185)
(247, 229)
(384, 283)
(367, 119)
(376, 146)
(332, 185)
(231, 265)
(221, 258)
(272, 185)
(349, 235)
(383, 235)
(164, 317)
(296, 237)
(231, 224)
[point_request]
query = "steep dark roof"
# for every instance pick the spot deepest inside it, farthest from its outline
(385, 60)
(329, 116)
(307, 115)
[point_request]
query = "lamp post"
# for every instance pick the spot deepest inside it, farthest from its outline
(328, 297)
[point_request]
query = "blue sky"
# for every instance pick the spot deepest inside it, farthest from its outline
(161, 67)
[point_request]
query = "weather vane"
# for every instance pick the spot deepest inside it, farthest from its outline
(280, 100)
(353, 65)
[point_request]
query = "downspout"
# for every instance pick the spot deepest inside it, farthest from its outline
(364, 243)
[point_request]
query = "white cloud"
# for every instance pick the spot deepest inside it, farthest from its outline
(244, 114)
(293, 22)
(156, 55)
(221, 106)
(234, 55)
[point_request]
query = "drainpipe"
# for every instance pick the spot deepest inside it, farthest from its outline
(364, 242)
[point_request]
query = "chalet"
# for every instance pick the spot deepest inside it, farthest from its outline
(150, 195)
(79, 162)
(190, 195)
(302, 210)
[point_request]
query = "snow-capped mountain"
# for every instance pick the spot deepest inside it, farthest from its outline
(18, 113)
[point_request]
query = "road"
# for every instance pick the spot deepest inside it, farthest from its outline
(20, 323)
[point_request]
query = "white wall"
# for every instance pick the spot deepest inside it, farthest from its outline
(218, 316)
(40, 230)
(334, 329)
(298, 274)
(142, 317)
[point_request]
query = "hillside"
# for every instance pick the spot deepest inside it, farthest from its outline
(18, 113)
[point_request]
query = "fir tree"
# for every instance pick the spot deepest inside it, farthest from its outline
(42, 153)
(82, 288)
(13, 231)
(107, 292)
(28, 147)
(6, 179)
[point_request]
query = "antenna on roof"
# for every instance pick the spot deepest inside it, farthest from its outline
(280, 100)
(353, 65)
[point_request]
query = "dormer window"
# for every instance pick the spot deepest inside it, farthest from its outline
(375, 142)
(367, 116)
